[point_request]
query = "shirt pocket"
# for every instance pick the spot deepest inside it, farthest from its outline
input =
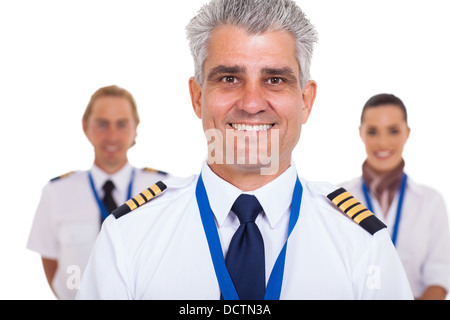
(77, 234)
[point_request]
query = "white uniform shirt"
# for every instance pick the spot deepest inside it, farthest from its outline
(67, 220)
(423, 241)
(159, 251)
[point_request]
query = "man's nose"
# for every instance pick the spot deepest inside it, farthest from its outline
(252, 99)
(113, 132)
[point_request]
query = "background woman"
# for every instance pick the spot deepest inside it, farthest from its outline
(415, 215)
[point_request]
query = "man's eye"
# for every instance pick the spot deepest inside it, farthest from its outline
(102, 125)
(229, 79)
(275, 80)
(122, 124)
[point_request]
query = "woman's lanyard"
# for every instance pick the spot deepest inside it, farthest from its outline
(226, 285)
(103, 212)
(399, 205)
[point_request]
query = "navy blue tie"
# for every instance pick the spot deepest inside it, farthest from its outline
(108, 199)
(245, 258)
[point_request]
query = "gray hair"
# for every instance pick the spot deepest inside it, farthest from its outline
(256, 17)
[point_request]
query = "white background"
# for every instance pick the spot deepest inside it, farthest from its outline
(55, 54)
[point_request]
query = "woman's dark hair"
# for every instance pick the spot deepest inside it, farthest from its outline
(384, 99)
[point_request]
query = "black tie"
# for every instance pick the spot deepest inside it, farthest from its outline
(108, 199)
(245, 258)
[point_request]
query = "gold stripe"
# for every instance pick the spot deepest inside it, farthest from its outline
(139, 199)
(147, 194)
(355, 210)
(130, 203)
(66, 174)
(155, 189)
(341, 197)
(362, 216)
(348, 203)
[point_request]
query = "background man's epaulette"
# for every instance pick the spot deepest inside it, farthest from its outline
(154, 170)
(62, 176)
(355, 210)
(142, 198)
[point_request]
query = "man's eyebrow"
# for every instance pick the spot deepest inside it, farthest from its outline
(108, 120)
(285, 71)
(101, 120)
(221, 69)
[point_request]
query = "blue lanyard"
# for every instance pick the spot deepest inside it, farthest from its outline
(103, 212)
(399, 205)
(226, 285)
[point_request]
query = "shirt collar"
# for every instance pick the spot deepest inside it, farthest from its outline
(274, 197)
(121, 178)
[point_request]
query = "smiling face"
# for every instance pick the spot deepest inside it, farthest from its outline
(252, 86)
(384, 132)
(111, 129)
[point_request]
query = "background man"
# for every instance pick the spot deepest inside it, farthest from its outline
(73, 206)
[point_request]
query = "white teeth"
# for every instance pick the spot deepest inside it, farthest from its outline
(383, 154)
(244, 127)
(111, 148)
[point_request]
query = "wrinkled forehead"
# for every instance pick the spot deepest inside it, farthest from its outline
(232, 46)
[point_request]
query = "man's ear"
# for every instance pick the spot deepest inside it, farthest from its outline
(308, 96)
(85, 125)
(196, 96)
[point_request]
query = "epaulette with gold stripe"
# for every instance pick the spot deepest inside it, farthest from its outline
(146, 169)
(355, 210)
(62, 176)
(142, 198)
